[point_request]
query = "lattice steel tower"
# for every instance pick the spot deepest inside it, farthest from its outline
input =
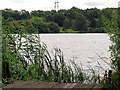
(56, 5)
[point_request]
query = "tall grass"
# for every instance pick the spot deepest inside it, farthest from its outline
(35, 62)
(25, 57)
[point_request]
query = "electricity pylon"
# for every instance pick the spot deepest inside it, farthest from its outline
(56, 5)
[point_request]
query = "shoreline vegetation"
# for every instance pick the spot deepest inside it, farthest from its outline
(43, 66)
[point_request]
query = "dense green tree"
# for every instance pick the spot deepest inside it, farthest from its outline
(63, 11)
(107, 12)
(67, 24)
(80, 23)
(16, 15)
(59, 19)
(99, 22)
(39, 24)
(53, 27)
(34, 13)
(70, 14)
(91, 13)
(25, 14)
(77, 10)
(9, 13)
(50, 21)
(38, 13)
(93, 23)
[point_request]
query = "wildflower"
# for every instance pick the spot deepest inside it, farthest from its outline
(113, 11)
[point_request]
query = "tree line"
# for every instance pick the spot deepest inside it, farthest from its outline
(71, 20)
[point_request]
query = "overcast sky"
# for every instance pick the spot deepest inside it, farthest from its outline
(49, 4)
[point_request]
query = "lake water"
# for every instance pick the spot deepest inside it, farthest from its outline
(82, 48)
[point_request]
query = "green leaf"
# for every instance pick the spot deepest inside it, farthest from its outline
(19, 46)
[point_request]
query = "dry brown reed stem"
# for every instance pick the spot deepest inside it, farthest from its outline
(108, 78)
(105, 77)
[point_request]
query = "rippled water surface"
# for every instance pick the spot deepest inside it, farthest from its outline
(83, 48)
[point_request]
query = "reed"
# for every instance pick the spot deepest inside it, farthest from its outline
(25, 57)
(36, 62)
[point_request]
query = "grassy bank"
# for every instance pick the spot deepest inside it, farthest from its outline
(68, 31)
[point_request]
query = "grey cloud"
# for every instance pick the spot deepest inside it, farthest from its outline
(94, 4)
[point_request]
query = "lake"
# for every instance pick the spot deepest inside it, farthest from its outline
(86, 49)
(82, 48)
